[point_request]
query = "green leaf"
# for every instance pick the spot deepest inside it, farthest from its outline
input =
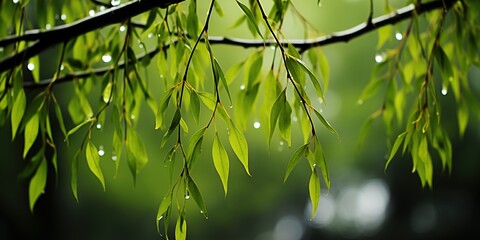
(136, 153)
(107, 93)
(195, 147)
(162, 108)
(395, 147)
(291, 61)
(164, 205)
(192, 19)
(175, 122)
(181, 228)
(18, 110)
(58, 113)
(93, 161)
(275, 112)
(221, 75)
(314, 190)
(462, 115)
(321, 161)
(195, 105)
(74, 177)
(37, 183)
(285, 123)
(195, 192)
(297, 155)
(326, 123)
(250, 17)
(239, 145)
(31, 133)
(221, 161)
(317, 56)
(74, 129)
(384, 34)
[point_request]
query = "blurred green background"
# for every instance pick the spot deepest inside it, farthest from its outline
(364, 202)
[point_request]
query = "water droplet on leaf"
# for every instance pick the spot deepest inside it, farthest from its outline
(106, 58)
(398, 36)
(444, 91)
(31, 66)
(101, 152)
(91, 13)
(122, 28)
(115, 2)
(256, 125)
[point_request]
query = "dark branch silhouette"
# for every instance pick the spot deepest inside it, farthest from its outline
(302, 44)
(48, 38)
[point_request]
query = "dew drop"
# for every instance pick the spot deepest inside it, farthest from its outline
(91, 13)
(99, 126)
(379, 58)
(444, 91)
(132, 117)
(256, 125)
(114, 156)
(115, 2)
(16, 1)
(187, 195)
(101, 152)
(48, 26)
(294, 118)
(242, 87)
(150, 35)
(31, 66)
(122, 28)
(102, 8)
(231, 106)
(106, 58)
(282, 143)
(398, 36)
(63, 17)
(62, 67)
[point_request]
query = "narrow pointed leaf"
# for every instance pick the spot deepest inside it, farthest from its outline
(18, 110)
(239, 145)
(31, 133)
(250, 17)
(195, 192)
(275, 112)
(164, 205)
(326, 123)
(395, 147)
(181, 229)
(93, 161)
(297, 155)
(37, 183)
(220, 161)
(314, 190)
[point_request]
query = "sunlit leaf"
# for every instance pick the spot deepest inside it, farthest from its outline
(275, 112)
(239, 145)
(250, 17)
(31, 133)
(462, 115)
(195, 147)
(221, 161)
(285, 123)
(164, 205)
(18, 110)
(174, 124)
(395, 147)
(181, 228)
(74, 129)
(93, 161)
(37, 183)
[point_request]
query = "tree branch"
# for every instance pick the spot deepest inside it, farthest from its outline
(63, 33)
(301, 44)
